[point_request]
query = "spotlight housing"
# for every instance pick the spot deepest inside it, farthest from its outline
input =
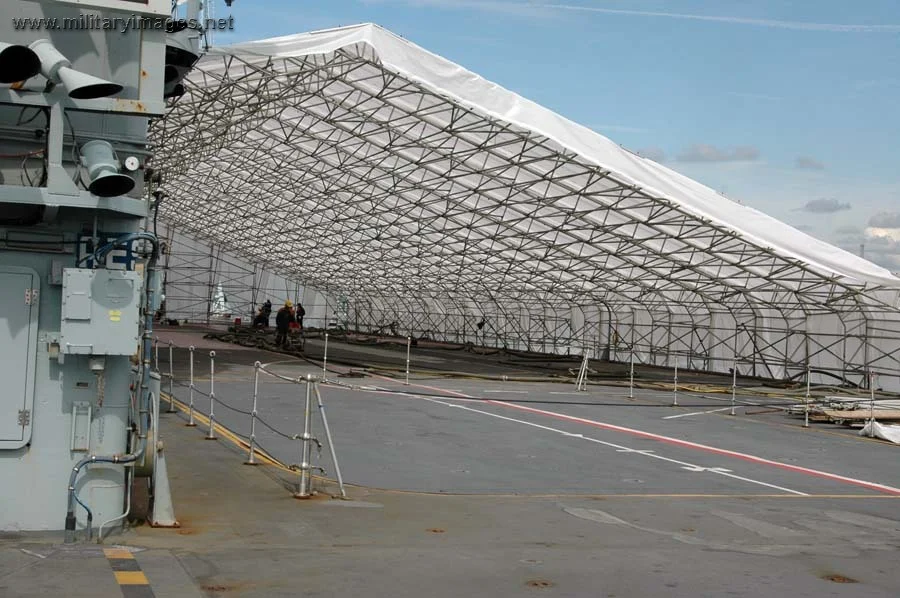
(17, 63)
(102, 166)
(182, 53)
(58, 69)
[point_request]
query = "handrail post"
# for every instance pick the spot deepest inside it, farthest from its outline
(733, 384)
(631, 376)
(408, 344)
(156, 353)
(171, 408)
(871, 404)
(212, 396)
(191, 423)
(675, 387)
(305, 438)
(806, 400)
(250, 458)
(325, 359)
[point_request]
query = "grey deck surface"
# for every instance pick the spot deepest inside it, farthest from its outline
(485, 488)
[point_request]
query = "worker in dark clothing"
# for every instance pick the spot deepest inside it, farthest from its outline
(267, 310)
(261, 320)
(299, 313)
(283, 320)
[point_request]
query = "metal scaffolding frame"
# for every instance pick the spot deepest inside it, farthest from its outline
(196, 271)
(405, 204)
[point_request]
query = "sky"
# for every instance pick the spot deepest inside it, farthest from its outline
(789, 106)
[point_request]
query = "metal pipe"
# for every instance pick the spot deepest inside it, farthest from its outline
(408, 344)
(250, 458)
(171, 408)
(334, 461)
(305, 438)
(212, 396)
(156, 353)
(115, 459)
(675, 387)
(129, 480)
(191, 423)
(325, 359)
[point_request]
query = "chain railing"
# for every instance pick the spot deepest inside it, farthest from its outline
(306, 438)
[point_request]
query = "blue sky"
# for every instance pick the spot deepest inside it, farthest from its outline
(792, 107)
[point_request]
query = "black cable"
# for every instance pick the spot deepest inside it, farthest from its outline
(273, 429)
(219, 400)
(235, 409)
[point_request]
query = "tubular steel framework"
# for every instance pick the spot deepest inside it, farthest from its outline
(405, 203)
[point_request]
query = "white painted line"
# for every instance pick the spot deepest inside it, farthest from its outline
(728, 474)
(696, 413)
(704, 447)
(622, 449)
(516, 392)
(684, 443)
(720, 399)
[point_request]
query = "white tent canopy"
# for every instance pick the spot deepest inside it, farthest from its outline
(364, 165)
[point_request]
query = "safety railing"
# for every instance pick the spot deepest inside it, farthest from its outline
(314, 405)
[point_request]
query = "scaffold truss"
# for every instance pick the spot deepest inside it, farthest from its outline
(414, 191)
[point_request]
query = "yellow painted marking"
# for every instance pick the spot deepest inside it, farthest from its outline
(131, 578)
(117, 553)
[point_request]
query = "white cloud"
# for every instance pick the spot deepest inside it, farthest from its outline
(825, 206)
(885, 220)
(807, 163)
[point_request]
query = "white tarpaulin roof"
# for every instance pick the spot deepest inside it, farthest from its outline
(360, 162)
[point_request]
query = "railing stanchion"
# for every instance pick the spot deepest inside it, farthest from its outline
(733, 384)
(212, 396)
(305, 439)
(675, 388)
(191, 423)
(871, 404)
(408, 345)
(251, 460)
(325, 359)
(806, 400)
(171, 408)
(631, 376)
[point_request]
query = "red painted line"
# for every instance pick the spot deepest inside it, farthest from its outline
(703, 447)
(683, 443)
